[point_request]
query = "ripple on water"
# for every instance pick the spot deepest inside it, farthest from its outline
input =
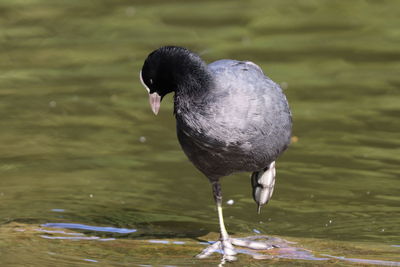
(89, 227)
(287, 250)
(58, 210)
(366, 261)
(77, 238)
(90, 260)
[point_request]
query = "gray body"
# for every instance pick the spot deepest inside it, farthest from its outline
(242, 122)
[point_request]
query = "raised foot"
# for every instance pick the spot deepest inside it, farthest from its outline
(226, 247)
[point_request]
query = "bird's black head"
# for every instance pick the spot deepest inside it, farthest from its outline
(164, 68)
(156, 70)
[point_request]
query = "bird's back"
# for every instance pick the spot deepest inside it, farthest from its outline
(242, 124)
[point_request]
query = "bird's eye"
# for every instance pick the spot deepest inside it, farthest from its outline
(151, 81)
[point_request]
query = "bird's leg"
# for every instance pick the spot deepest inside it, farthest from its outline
(218, 200)
(224, 245)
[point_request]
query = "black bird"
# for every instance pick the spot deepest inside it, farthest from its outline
(230, 117)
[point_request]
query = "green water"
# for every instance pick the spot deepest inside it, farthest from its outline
(79, 143)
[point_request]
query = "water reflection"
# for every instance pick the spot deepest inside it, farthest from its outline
(77, 238)
(57, 232)
(280, 248)
(89, 227)
(167, 242)
(90, 260)
(58, 210)
(365, 261)
(287, 250)
(283, 249)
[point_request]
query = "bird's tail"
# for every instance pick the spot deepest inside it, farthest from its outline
(263, 183)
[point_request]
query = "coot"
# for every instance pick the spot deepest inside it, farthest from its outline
(230, 117)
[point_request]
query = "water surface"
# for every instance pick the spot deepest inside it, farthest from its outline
(80, 145)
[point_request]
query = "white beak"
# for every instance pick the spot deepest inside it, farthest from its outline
(155, 100)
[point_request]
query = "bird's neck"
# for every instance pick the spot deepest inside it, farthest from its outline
(192, 81)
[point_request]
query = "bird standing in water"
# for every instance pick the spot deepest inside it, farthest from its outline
(230, 117)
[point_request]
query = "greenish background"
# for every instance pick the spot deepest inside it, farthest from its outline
(77, 132)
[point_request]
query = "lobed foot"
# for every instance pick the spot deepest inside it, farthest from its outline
(226, 247)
